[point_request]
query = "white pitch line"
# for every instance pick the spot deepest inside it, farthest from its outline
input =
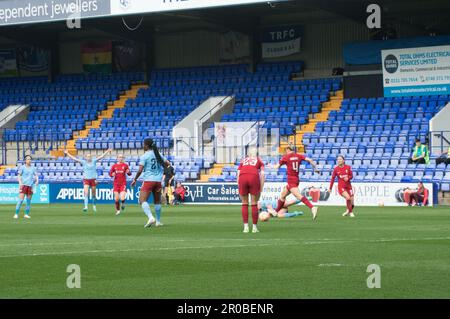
(280, 242)
(141, 249)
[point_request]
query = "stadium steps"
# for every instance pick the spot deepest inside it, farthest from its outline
(216, 170)
(3, 168)
(333, 105)
(106, 114)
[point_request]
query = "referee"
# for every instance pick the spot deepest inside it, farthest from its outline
(169, 181)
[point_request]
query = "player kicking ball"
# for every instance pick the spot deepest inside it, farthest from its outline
(292, 160)
(267, 205)
(250, 179)
(27, 174)
(344, 174)
(119, 172)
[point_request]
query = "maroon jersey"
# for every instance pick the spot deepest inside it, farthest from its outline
(250, 165)
(292, 162)
(342, 172)
(120, 170)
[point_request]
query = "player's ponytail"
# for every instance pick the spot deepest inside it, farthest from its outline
(152, 145)
(158, 156)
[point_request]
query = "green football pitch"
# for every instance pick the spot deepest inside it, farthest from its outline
(201, 252)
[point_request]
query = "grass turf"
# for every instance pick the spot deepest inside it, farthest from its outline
(202, 253)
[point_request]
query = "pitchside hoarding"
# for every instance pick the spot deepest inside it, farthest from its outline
(366, 194)
(73, 193)
(34, 11)
(9, 194)
(416, 71)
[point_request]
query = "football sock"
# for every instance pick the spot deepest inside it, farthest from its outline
(255, 214)
(158, 212)
(28, 206)
(245, 213)
(307, 202)
(86, 200)
(117, 205)
(293, 214)
(349, 206)
(279, 205)
(94, 199)
(123, 203)
(19, 204)
(146, 208)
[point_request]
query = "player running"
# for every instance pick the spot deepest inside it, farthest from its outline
(344, 174)
(27, 174)
(267, 205)
(292, 161)
(119, 171)
(250, 179)
(89, 176)
(152, 165)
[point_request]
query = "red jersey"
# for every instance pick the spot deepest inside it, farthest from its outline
(120, 170)
(250, 165)
(292, 162)
(341, 173)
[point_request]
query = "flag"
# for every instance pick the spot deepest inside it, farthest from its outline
(97, 57)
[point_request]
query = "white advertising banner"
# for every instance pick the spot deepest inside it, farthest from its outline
(366, 194)
(119, 7)
(416, 71)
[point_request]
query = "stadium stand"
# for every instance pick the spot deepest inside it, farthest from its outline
(374, 134)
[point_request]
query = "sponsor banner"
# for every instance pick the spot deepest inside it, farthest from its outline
(8, 63)
(97, 57)
(9, 193)
(212, 193)
(33, 11)
(416, 71)
(235, 133)
(281, 42)
(73, 193)
(234, 48)
(366, 194)
(121, 7)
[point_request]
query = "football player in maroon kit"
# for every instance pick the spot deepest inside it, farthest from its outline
(119, 172)
(250, 178)
(344, 174)
(292, 160)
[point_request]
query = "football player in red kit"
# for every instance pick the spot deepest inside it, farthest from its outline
(292, 161)
(119, 172)
(250, 178)
(344, 174)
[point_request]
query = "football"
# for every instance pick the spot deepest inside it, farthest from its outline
(264, 216)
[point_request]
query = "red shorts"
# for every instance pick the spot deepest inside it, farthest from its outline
(119, 188)
(292, 182)
(151, 187)
(346, 188)
(90, 182)
(249, 184)
(26, 190)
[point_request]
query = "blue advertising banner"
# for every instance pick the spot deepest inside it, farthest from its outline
(281, 41)
(9, 194)
(73, 193)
